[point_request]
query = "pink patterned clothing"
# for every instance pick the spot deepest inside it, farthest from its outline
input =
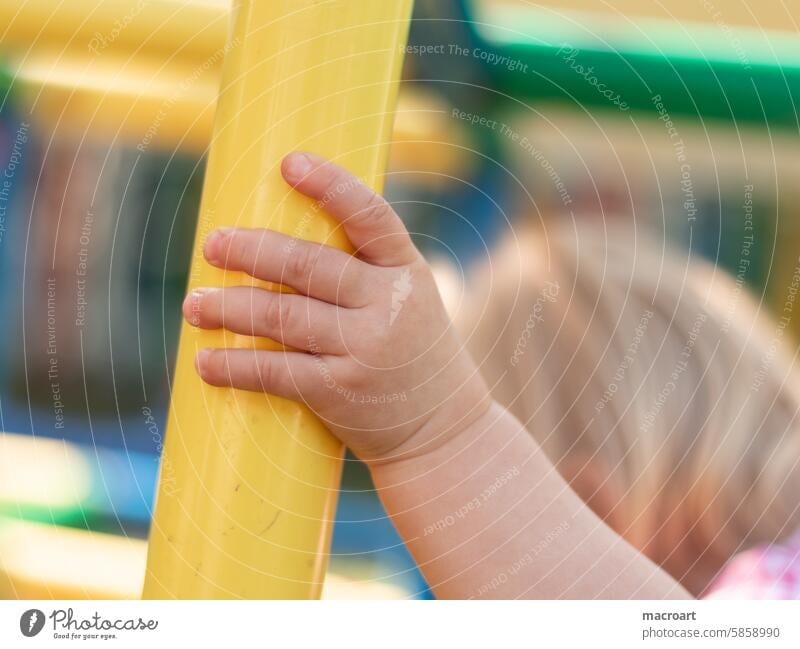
(766, 572)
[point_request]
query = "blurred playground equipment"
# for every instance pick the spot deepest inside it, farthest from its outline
(680, 118)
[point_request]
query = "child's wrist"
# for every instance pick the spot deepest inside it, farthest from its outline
(443, 437)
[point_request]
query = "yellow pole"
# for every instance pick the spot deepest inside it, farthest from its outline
(248, 482)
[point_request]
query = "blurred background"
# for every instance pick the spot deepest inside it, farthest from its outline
(681, 119)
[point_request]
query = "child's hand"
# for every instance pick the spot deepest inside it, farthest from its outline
(376, 354)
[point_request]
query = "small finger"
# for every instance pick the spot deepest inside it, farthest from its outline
(292, 375)
(310, 268)
(371, 224)
(290, 319)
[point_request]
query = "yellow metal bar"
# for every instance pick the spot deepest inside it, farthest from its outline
(163, 29)
(248, 482)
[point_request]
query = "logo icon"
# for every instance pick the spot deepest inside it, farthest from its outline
(31, 622)
(402, 289)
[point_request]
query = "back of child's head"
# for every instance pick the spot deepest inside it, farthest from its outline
(653, 384)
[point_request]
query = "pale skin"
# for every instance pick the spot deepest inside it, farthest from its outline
(374, 354)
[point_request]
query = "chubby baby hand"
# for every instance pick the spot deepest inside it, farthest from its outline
(370, 347)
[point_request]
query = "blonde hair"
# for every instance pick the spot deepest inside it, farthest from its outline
(652, 383)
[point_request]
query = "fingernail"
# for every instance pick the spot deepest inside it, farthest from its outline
(201, 360)
(297, 167)
(213, 248)
(191, 307)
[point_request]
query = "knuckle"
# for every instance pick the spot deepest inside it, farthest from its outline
(271, 312)
(237, 249)
(383, 336)
(217, 367)
(330, 183)
(286, 308)
(374, 212)
(355, 377)
(300, 263)
(264, 371)
(214, 307)
(365, 340)
(277, 314)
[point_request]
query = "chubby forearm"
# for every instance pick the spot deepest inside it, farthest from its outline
(486, 515)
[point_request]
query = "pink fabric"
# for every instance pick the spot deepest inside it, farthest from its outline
(767, 572)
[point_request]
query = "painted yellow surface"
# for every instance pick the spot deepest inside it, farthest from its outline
(249, 482)
(40, 561)
(156, 92)
(144, 106)
(48, 562)
(142, 71)
(131, 29)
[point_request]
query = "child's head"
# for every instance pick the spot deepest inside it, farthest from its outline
(652, 383)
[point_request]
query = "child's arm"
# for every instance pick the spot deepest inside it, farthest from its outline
(486, 515)
(375, 356)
